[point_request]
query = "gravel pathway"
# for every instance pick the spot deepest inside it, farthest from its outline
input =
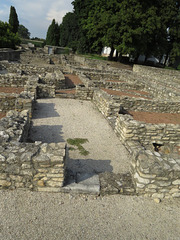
(56, 120)
(48, 216)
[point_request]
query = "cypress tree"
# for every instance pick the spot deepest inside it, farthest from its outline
(13, 20)
(52, 37)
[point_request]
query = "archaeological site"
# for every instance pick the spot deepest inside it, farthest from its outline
(141, 105)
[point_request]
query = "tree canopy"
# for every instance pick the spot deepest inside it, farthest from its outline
(23, 32)
(8, 39)
(133, 27)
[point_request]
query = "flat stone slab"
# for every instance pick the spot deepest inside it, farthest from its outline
(86, 183)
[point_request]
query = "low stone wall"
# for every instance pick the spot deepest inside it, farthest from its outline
(128, 80)
(14, 127)
(109, 104)
(84, 93)
(34, 166)
(56, 78)
(38, 167)
(19, 102)
(13, 80)
(28, 69)
(7, 101)
(50, 167)
(158, 73)
(92, 63)
(129, 129)
(45, 91)
(9, 54)
(156, 175)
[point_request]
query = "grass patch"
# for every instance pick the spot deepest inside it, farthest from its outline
(171, 68)
(95, 56)
(78, 143)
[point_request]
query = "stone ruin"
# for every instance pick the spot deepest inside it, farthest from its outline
(154, 148)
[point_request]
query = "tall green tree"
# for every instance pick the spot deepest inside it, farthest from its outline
(13, 19)
(81, 10)
(23, 32)
(52, 36)
(69, 31)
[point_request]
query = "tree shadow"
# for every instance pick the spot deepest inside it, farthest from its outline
(46, 133)
(83, 171)
(44, 110)
(89, 165)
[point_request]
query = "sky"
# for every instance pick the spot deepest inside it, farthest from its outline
(36, 15)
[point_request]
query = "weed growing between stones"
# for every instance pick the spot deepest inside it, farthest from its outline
(78, 143)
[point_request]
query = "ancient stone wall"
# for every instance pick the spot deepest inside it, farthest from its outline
(156, 175)
(13, 80)
(84, 93)
(34, 166)
(109, 104)
(40, 57)
(160, 74)
(129, 129)
(9, 54)
(45, 91)
(7, 101)
(28, 69)
(155, 172)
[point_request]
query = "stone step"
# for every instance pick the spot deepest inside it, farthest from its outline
(83, 183)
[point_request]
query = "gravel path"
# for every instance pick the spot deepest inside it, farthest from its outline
(56, 120)
(48, 216)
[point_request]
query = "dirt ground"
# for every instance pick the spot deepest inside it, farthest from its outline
(11, 89)
(128, 93)
(2, 114)
(72, 80)
(150, 117)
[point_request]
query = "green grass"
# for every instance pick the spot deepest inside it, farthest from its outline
(95, 56)
(78, 143)
(171, 68)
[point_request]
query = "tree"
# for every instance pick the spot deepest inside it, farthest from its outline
(133, 27)
(81, 10)
(13, 20)
(173, 25)
(8, 39)
(69, 31)
(23, 32)
(52, 37)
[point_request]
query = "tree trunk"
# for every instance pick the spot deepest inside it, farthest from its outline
(165, 62)
(111, 54)
(145, 60)
(116, 58)
(136, 58)
(120, 57)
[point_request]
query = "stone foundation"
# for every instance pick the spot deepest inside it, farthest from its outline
(34, 166)
(156, 175)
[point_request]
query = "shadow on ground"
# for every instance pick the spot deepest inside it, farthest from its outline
(46, 133)
(45, 110)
